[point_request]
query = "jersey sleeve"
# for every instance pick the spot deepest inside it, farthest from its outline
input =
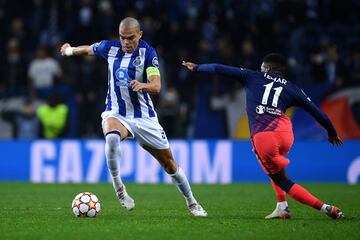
(152, 63)
(101, 48)
(305, 102)
(225, 70)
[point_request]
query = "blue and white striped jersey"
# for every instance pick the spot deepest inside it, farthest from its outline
(122, 69)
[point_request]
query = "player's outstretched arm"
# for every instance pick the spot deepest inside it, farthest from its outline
(225, 70)
(325, 122)
(305, 102)
(67, 50)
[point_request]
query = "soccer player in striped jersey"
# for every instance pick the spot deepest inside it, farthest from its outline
(133, 73)
(268, 95)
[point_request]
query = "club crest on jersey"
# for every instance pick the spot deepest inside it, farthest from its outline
(137, 61)
(155, 62)
(260, 109)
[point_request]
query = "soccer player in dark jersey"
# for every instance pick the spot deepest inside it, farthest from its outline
(268, 95)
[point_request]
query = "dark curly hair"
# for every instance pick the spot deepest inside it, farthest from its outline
(277, 63)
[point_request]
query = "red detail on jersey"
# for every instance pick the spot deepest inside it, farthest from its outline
(281, 124)
(267, 122)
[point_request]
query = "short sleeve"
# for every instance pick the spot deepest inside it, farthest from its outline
(101, 48)
(151, 59)
(152, 63)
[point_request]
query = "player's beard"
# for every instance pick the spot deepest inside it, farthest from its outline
(128, 49)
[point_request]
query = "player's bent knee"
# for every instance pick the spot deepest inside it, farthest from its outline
(285, 185)
(112, 124)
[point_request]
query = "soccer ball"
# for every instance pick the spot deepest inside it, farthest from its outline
(86, 204)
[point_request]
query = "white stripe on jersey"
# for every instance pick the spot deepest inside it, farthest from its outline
(151, 104)
(140, 77)
(140, 68)
(125, 61)
(111, 58)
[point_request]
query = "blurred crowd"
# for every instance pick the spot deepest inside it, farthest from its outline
(320, 39)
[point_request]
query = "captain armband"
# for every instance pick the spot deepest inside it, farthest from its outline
(152, 71)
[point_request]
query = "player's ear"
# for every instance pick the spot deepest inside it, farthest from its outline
(268, 68)
(140, 34)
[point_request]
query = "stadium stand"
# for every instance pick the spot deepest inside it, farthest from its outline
(319, 38)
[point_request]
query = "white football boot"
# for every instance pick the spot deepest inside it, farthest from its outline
(197, 210)
(334, 212)
(279, 213)
(125, 200)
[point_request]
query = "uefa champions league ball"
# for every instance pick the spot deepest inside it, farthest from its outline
(86, 204)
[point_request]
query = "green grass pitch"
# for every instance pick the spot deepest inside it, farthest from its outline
(43, 211)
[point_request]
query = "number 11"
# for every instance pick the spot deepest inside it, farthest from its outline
(277, 93)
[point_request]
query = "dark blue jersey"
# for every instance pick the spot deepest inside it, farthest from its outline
(267, 98)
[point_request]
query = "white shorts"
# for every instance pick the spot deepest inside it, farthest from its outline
(147, 131)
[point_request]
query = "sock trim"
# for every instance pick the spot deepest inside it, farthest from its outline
(175, 173)
(323, 208)
(114, 132)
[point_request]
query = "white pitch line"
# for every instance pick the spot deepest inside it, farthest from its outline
(31, 208)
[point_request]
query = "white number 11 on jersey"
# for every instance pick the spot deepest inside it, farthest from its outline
(277, 93)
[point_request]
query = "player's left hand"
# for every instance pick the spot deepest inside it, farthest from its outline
(189, 65)
(137, 86)
(335, 140)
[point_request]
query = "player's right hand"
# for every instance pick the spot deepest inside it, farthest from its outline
(189, 65)
(335, 140)
(63, 48)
